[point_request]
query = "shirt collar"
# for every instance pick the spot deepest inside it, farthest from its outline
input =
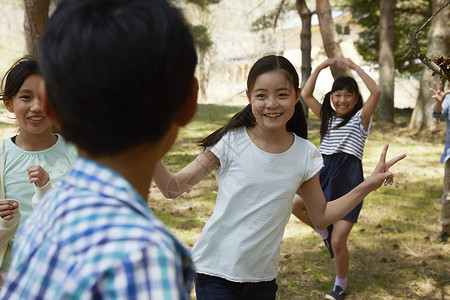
(88, 174)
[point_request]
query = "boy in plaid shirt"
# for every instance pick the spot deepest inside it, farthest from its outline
(119, 82)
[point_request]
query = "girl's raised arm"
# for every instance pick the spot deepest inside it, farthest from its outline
(323, 214)
(308, 89)
(173, 185)
(375, 93)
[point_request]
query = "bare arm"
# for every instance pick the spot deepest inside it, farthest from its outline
(322, 213)
(308, 89)
(173, 185)
(375, 93)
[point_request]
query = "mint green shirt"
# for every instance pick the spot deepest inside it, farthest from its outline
(56, 160)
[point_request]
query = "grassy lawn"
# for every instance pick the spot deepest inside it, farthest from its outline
(393, 248)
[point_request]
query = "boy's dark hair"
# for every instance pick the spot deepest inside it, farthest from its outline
(296, 124)
(16, 75)
(116, 71)
(327, 111)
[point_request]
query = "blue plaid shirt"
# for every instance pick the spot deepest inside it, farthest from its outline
(94, 237)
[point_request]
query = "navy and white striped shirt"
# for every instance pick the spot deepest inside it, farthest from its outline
(92, 237)
(349, 138)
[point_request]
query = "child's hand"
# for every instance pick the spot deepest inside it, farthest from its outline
(437, 92)
(346, 61)
(38, 176)
(326, 63)
(381, 173)
(7, 209)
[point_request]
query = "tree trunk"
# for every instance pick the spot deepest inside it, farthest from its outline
(305, 45)
(203, 78)
(438, 43)
(385, 110)
(36, 16)
(328, 32)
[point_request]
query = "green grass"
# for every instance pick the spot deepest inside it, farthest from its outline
(393, 248)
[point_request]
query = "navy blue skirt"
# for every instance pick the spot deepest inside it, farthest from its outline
(341, 173)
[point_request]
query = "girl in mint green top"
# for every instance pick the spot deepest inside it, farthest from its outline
(36, 156)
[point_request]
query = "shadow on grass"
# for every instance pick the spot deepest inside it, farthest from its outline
(382, 269)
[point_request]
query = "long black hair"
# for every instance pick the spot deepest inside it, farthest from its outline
(296, 124)
(327, 111)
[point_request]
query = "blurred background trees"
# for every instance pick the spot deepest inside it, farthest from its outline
(384, 39)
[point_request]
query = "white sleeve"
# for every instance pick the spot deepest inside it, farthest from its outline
(39, 193)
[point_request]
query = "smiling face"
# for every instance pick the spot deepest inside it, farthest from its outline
(28, 108)
(273, 100)
(343, 101)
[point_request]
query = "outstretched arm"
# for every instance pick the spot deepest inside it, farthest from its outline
(439, 96)
(308, 89)
(173, 185)
(322, 213)
(375, 93)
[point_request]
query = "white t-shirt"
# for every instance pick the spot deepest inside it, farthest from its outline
(242, 238)
(349, 138)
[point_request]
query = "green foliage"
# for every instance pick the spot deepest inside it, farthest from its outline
(268, 20)
(202, 38)
(264, 22)
(409, 15)
(203, 3)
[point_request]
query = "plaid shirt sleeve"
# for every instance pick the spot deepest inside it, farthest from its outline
(152, 273)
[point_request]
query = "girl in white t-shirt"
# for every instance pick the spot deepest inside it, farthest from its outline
(260, 157)
(29, 159)
(345, 124)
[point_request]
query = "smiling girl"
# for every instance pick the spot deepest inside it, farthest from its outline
(345, 124)
(260, 157)
(33, 156)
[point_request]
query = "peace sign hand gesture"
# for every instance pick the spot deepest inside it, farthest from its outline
(381, 173)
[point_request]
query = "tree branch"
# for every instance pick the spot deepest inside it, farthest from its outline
(443, 68)
(277, 14)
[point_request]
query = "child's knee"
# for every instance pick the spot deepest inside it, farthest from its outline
(339, 244)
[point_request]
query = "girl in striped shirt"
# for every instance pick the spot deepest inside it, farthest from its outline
(345, 124)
